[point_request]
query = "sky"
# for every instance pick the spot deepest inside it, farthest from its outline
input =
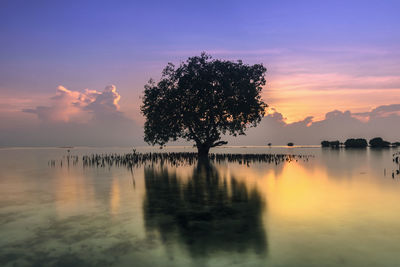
(72, 72)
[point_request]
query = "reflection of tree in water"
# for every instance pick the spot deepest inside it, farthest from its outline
(205, 214)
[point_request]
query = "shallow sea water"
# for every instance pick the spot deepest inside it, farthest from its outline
(339, 208)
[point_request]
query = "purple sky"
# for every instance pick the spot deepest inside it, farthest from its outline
(56, 58)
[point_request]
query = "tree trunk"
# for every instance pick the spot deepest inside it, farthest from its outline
(202, 150)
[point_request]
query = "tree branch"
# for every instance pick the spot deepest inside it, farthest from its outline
(196, 139)
(219, 143)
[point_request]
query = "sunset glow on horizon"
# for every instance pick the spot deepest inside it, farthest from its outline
(200, 133)
(320, 57)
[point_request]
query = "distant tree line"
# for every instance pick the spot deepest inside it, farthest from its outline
(376, 142)
(333, 144)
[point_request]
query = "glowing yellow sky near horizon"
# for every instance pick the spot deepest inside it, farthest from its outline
(296, 96)
(296, 106)
(303, 95)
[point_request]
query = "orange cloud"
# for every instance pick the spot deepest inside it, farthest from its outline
(89, 118)
(75, 106)
(315, 94)
(382, 121)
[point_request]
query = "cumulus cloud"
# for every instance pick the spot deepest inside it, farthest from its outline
(93, 118)
(89, 117)
(382, 121)
(381, 111)
(75, 106)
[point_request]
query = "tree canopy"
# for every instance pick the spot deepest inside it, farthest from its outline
(356, 143)
(332, 144)
(203, 99)
(378, 142)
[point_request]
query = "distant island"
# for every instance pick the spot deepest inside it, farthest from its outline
(376, 142)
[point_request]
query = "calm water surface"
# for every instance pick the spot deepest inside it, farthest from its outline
(337, 209)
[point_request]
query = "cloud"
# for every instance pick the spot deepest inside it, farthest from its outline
(74, 106)
(77, 118)
(334, 81)
(93, 118)
(381, 112)
(382, 121)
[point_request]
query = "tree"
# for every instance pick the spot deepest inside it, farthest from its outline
(201, 100)
(396, 144)
(325, 143)
(332, 144)
(356, 143)
(378, 142)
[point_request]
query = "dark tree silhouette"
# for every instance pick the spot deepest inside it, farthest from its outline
(325, 143)
(356, 143)
(378, 142)
(396, 144)
(201, 100)
(332, 144)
